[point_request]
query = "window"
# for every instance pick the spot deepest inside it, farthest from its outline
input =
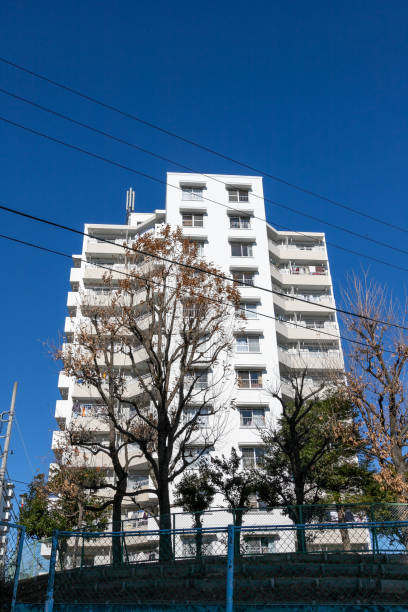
(196, 454)
(313, 347)
(190, 311)
(192, 220)
(249, 379)
(133, 448)
(200, 378)
(247, 310)
(241, 249)
(260, 546)
(252, 417)
(200, 247)
(189, 546)
(252, 456)
(238, 195)
(243, 277)
(240, 222)
(192, 193)
(137, 481)
(202, 419)
(313, 323)
(139, 519)
(247, 344)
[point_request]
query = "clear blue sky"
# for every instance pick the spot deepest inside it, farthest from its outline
(315, 92)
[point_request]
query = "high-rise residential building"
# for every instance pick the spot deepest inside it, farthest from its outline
(286, 275)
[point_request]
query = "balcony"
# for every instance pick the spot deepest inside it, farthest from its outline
(96, 273)
(299, 276)
(102, 297)
(317, 304)
(63, 384)
(305, 331)
(85, 324)
(83, 392)
(75, 275)
(62, 412)
(142, 523)
(95, 247)
(312, 360)
(58, 440)
(303, 252)
(121, 360)
(69, 326)
(73, 299)
(309, 385)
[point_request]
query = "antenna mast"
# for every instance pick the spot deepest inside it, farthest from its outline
(130, 203)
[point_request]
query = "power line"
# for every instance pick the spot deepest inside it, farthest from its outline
(24, 446)
(189, 266)
(149, 177)
(195, 268)
(158, 128)
(66, 255)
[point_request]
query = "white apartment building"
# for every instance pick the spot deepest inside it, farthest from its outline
(225, 214)
(6, 507)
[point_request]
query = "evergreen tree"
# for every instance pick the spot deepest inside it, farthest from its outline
(195, 493)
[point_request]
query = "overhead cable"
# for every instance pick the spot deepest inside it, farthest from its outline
(193, 143)
(148, 280)
(177, 187)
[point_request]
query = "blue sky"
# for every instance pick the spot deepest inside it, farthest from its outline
(315, 92)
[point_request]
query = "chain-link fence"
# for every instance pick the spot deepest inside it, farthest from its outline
(352, 562)
(277, 515)
(11, 548)
(149, 567)
(363, 563)
(337, 554)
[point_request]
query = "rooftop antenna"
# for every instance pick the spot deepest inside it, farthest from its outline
(130, 203)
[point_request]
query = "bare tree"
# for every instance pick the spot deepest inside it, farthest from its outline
(155, 351)
(377, 376)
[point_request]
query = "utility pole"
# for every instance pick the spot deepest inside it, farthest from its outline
(7, 441)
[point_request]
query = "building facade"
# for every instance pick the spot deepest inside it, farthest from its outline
(287, 297)
(6, 508)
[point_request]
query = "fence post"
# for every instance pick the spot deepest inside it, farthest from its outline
(301, 535)
(230, 570)
(174, 535)
(82, 549)
(373, 530)
(49, 599)
(21, 536)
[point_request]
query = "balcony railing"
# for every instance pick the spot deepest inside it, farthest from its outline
(309, 352)
(89, 410)
(320, 271)
(301, 246)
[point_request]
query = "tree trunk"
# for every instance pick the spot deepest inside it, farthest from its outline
(238, 517)
(345, 533)
(79, 526)
(296, 514)
(199, 534)
(165, 545)
(117, 528)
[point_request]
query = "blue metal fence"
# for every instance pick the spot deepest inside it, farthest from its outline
(258, 546)
(11, 549)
